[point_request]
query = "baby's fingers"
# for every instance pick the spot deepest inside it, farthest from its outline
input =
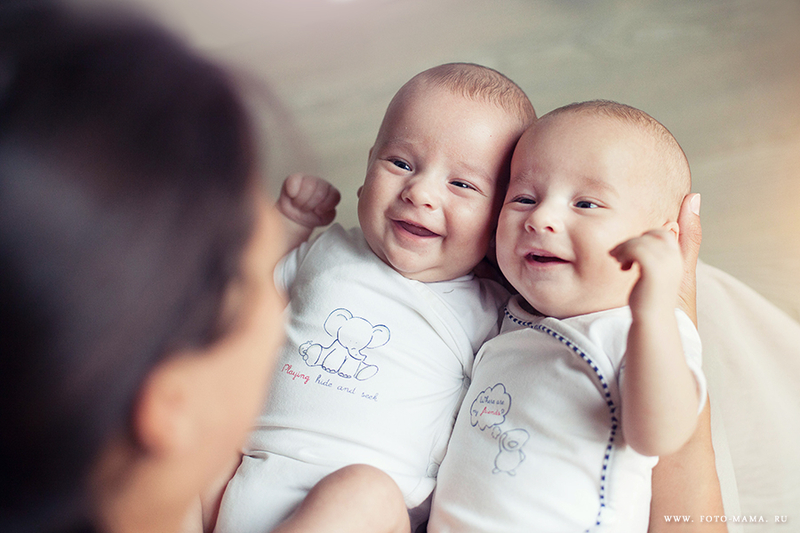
(311, 193)
(625, 253)
(326, 209)
(308, 200)
(621, 254)
(325, 199)
(651, 249)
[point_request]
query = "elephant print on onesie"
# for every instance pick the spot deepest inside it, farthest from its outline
(345, 356)
(489, 410)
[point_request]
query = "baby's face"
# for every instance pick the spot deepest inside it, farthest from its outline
(578, 188)
(429, 203)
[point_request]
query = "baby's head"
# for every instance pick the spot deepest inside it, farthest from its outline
(437, 172)
(585, 178)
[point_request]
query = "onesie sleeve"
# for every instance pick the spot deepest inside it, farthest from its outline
(286, 270)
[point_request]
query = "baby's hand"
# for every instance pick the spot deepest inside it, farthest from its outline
(660, 269)
(308, 200)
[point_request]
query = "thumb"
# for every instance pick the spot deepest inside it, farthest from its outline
(292, 184)
(690, 236)
(691, 232)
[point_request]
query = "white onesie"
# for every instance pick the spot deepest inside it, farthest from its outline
(373, 371)
(538, 444)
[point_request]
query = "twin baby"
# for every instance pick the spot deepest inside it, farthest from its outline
(580, 381)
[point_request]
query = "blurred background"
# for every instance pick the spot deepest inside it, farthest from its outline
(722, 75)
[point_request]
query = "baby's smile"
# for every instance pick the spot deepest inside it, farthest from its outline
(415, 229)
(540, 256)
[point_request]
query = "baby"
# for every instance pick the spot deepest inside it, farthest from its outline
(570, 405)
(384, 320)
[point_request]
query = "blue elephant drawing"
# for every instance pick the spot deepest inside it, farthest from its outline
(344, 356)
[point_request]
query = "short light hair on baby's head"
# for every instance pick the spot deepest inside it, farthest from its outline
(478, 83)
(671, 163)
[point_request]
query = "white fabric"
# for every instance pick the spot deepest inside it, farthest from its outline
(752, 361)
(540, 422)
(373, 371)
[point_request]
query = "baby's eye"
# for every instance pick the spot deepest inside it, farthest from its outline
(586, 204)
(461, 185)
(401, 164)
(524, 200)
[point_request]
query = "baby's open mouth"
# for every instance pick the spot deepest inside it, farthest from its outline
(536, 258)
(413, 229)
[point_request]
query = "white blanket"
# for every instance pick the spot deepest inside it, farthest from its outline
(751, 358)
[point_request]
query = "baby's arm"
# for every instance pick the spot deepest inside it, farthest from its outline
(659, 392)
(354, 499)
(685, 483)
(305, 202)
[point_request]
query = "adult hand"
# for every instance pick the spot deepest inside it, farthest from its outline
(691, 233)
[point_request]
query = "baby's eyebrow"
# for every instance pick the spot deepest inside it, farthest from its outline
(597, 184)
(401, 143)
(397, 142)
(476, 172)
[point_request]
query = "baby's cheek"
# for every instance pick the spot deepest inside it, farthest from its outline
(623, 281)
(609, 282)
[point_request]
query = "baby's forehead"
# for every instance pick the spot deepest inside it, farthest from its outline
(596, 133)
(427, 94)
(433, 97)
(620, 133)
(572, 141)
(589, 119)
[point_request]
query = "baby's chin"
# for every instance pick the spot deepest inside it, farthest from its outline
(561, 311)
(413, 269)
(412, 266)
(433, 275)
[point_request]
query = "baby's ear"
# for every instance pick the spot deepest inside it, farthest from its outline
(673, 228)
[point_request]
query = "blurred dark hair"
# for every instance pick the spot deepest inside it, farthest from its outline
(126, 201)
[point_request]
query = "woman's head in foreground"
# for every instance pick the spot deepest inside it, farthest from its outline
(139, 317)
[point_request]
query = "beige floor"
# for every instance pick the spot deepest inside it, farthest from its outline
(724, 76)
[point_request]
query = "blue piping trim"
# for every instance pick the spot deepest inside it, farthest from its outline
(603, 382)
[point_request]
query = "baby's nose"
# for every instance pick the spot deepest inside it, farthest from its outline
(544, 217)
(422, 191)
